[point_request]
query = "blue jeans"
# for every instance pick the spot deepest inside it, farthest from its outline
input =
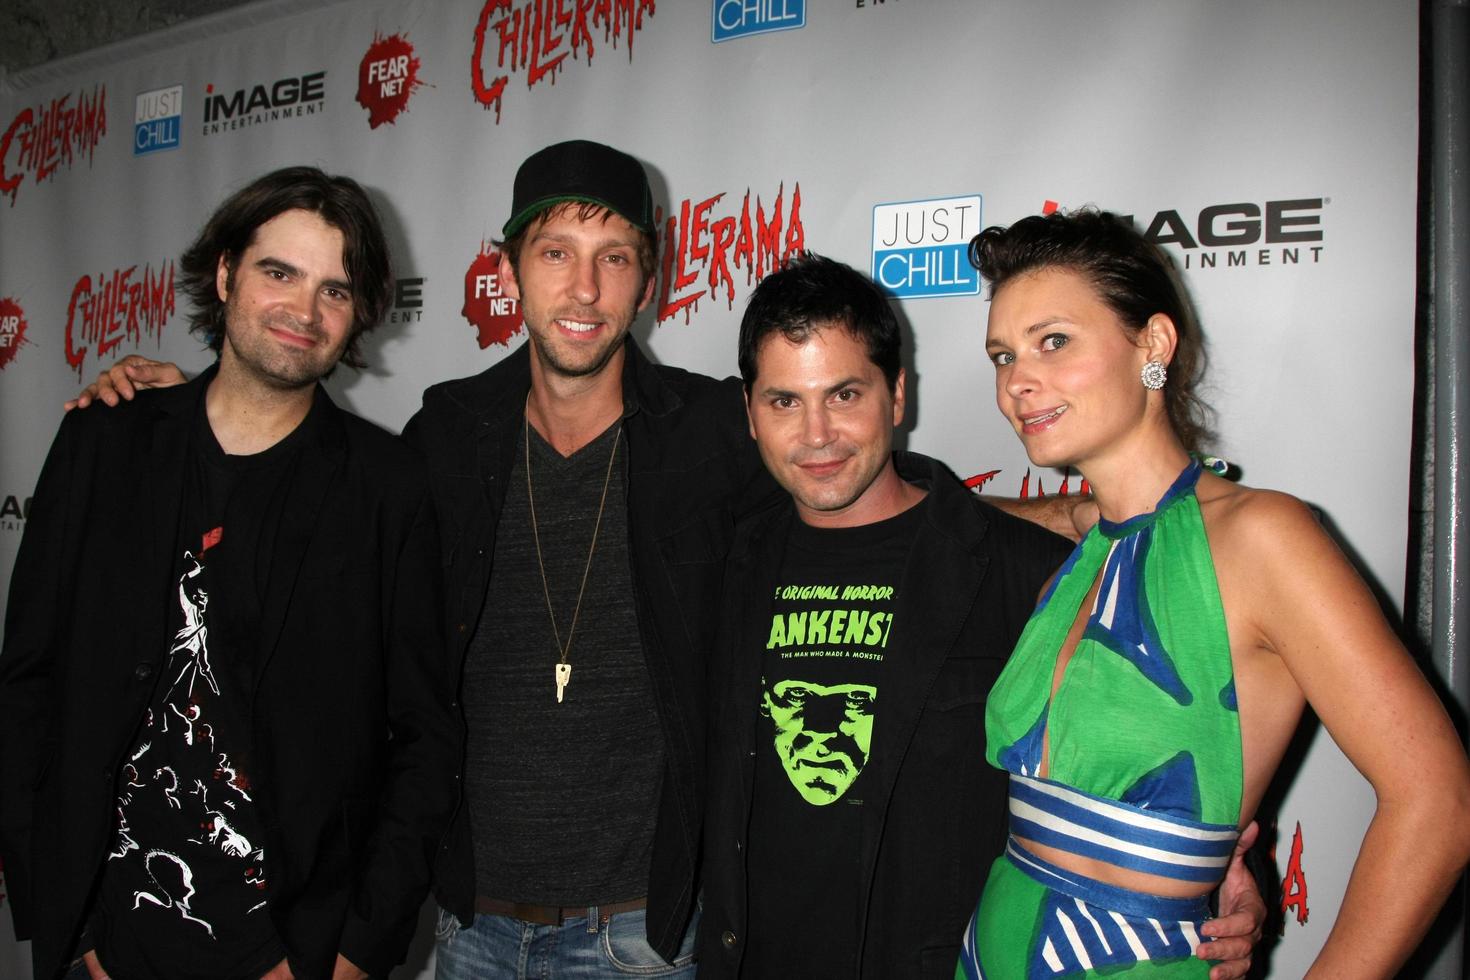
(496, 946)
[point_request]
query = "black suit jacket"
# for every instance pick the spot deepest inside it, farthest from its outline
(691, 468)
(968, 588)
(354, 743)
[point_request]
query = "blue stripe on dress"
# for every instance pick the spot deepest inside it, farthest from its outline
(1090, 925)
(1127, 837)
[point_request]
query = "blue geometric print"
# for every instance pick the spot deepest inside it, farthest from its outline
(1227, 696)
(1024, 756)
(1076, 936)
(1171, 788)
(1122, 622)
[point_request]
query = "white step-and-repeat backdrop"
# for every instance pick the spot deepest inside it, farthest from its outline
(1271, 145)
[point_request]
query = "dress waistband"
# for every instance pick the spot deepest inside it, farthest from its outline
(1126, 836)
(1115, 898)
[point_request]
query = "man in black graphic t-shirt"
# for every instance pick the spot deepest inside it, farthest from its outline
(852, 815)
(236, 759)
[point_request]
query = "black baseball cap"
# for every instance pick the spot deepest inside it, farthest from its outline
(580, 170)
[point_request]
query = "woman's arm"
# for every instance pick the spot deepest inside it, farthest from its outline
(1303, 602)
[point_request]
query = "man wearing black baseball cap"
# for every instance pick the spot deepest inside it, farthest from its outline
(585, 498)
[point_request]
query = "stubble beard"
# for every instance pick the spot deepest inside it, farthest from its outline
(544, 344)
(272, 366)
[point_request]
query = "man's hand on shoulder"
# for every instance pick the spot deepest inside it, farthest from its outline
(1070, 515)
(125, 379)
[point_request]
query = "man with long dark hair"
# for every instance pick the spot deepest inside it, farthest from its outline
(234, 760)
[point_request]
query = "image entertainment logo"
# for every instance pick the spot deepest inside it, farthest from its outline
(158, 118)
(14, 510)
(285, 98)
(408, 300)
(1242, 233)
(920, 247)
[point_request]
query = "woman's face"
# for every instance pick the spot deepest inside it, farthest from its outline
(1066, 368)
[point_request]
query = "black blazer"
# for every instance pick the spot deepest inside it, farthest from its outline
(355, 745)
(971, 581)
(691, 467)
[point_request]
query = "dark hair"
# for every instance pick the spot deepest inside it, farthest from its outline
(1132, 276)
(582, 211)
(812, 292)
(339, 201)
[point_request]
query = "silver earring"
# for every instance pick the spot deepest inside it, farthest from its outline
(1154, 375)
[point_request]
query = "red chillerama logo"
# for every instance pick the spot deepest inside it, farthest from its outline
(12, 330)
(108, 309)
(388, 75)
(978, 482)
(703, 250)
(537, 36)
(1294, 883)
(42, 140)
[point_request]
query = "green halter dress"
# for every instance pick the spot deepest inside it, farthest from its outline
(1143, 757)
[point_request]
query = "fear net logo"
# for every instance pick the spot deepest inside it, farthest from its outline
(538, 36)
(42, 140)
(110, 308)
(387, 76)
(12, 330)
(496, 316)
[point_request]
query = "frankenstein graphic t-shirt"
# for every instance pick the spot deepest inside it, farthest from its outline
(830, 643)
(183, 892)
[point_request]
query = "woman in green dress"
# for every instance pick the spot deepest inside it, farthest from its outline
(1154, 691)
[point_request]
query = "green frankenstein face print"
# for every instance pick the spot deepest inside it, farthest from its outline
(823, 734)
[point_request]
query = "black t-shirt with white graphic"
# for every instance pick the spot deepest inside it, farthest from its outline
(183, 892)
(830, 643)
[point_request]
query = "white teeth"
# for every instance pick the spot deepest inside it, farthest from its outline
(1047, 417)
(577, 326)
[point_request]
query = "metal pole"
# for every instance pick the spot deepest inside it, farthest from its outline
(1450, 253)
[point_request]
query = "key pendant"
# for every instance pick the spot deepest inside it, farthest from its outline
(563, 675)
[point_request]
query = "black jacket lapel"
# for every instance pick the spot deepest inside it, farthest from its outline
(159, 487)
(939, 586)
(316, 466)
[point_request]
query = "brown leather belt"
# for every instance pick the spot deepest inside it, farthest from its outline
(552, 915)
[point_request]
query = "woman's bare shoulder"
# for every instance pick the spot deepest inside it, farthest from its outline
(1224, 501)
(1255, 521)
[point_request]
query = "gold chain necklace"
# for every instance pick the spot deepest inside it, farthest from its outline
(563, 666)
